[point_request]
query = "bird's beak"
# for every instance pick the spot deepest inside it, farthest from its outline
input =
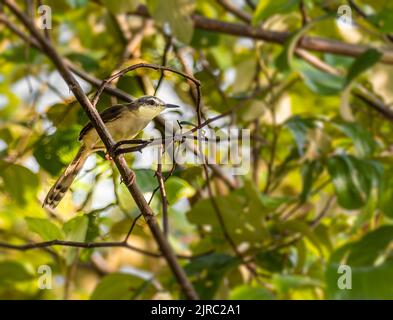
(171, 106)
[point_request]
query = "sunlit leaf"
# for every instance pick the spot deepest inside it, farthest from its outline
(207, 272)
(176, 13)
(118, 286)
(362, 63)
(53, 152)
(121, 6)
(353, 179)
(243, 212)
(250, 293)
(382, 19)
(318, 81)
(362, 139)
(146, 179)
(177, 189)
(267, 8)
(19, 182)
(75, 230)
(310, 172)
(13, 271)
(285, 283)
(368, 279)
(299, 128)
(386, 193)
(44, 228)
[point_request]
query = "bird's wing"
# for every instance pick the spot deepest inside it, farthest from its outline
(107, 115)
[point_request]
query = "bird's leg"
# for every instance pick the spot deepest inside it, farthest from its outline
(140, 144)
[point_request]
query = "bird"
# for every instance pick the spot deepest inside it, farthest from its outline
(124, 121)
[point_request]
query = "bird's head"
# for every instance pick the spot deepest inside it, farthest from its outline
(151, 103)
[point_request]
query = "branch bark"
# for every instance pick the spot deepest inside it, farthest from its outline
(89, 245)
(277, 37)
(108, 89)
(126, 173)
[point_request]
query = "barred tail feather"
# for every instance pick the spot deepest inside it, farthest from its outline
(63, 183)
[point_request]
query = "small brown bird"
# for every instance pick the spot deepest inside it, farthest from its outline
(124, 121)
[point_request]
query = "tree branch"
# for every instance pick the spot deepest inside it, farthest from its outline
(88, 245)
(228, 6)
(161, 186)
(277, 37)
(126, 173)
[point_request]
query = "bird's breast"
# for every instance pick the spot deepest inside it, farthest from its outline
(126, 126)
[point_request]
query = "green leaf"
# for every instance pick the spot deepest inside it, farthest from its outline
(338, 61)
(19, 182)
(243, 212)
(75, 230)
(271, 203)
(17, 54)
(368, 249)
(117, 286)
(87, 62)
(53, 152)
(284, 60)
(382, 20)
(146, 179)
(386, 193)
(369, 278)
(204, 39)
(362, 139)
(177, 14)
(77, 3)
(353, 179)
(44, 228)
(244, 75)
(177, 188)
(207, 272)
(63, 115)
(12, 272)
(299, 128)
(310, 172)
(268, 8)
(285, 283)
(246, 292)
(93, 230)
(298, 226)
(318, 81)
(256, 199)
(121, 6)
(362, 63)
(272, 261)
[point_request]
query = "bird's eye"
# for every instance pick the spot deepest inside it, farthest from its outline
(151, 102)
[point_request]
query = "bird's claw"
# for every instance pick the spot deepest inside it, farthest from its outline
(108, 157)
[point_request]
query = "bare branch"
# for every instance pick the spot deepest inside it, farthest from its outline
(126, 173)
(88, 245)
(277, 37)
(161, 185)
(228, 6)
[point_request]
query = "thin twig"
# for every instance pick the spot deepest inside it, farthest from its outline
(164, 199)
(168, 45)
(88, 245)
(127, 174)
(303, 13)
(228, 6)
(278, 37)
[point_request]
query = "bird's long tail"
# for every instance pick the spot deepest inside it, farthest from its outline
(63, 183)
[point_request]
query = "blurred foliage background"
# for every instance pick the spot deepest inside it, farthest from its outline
(320, 188)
